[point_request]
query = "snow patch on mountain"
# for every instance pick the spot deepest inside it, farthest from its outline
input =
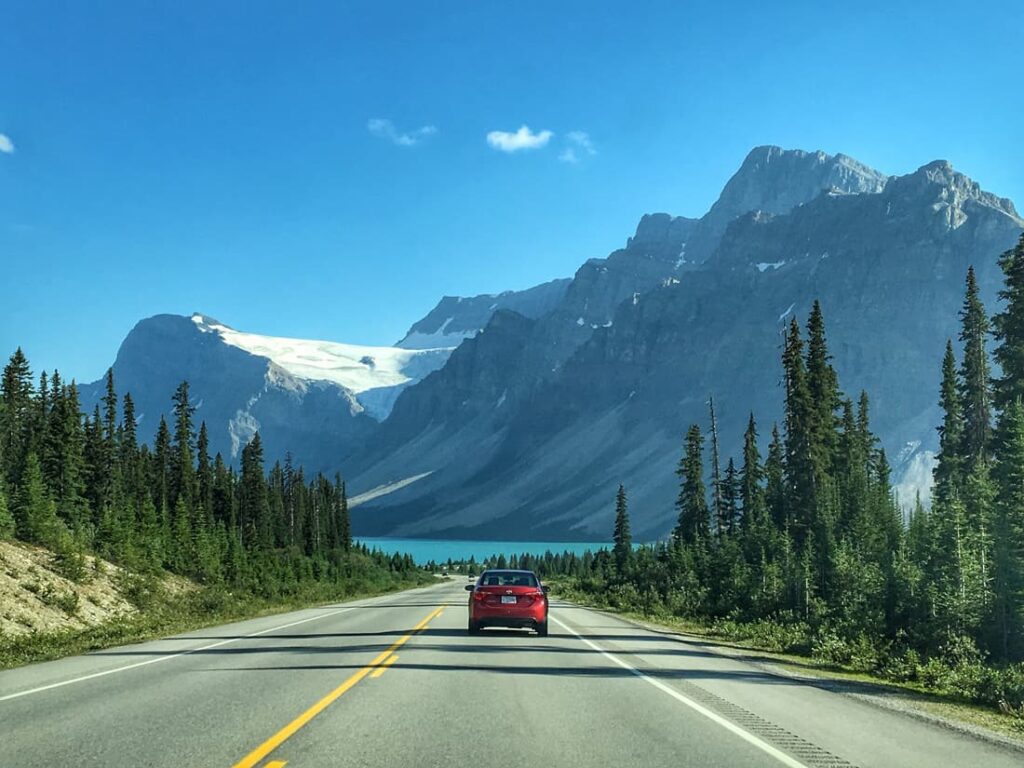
(375, 375)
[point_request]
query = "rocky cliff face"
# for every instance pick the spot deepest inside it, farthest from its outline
(537, 450)
(457, 317)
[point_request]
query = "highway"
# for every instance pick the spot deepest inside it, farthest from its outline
(397, 681)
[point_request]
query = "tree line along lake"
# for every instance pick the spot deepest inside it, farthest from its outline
(441, 550)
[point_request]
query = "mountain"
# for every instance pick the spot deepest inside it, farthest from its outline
(530, 426)
(456, 318)
(538, 403)
(315, 399)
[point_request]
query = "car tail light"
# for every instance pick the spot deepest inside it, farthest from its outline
(479, 594)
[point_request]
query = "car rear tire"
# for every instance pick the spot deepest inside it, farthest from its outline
(542, 629)
(474, 628)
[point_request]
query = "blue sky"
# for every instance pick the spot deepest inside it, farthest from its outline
(325, 170)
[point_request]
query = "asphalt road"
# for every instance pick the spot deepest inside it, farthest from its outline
(397, 681)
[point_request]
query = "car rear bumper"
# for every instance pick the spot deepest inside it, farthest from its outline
(512, 622)
(497, 616)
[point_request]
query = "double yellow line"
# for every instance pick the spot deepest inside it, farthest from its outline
(289, 730)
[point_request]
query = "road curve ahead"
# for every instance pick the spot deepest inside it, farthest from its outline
(397, 681)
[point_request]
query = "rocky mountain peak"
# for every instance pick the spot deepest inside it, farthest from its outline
(776, 180)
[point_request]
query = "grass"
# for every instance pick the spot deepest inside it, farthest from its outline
(914, 696)
(163, 616)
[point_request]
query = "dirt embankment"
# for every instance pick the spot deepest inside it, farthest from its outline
(40, 592)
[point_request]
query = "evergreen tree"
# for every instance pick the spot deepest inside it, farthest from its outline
(751, 477)
(41, 416)
(1009, 534)
(717, 506)
(621, 535)
(975, 383)
(204, 473)
(344, 520)
(693, 524)
(160, 466)
(799, 465)
(109, 408)
(1009, 329)
(64, 456)
(949, 467)
(15, 415)
(129, 449)
(35, 513)
(253, 504)
(730, 497)
(775, 481)
(182, 472)
(823, 388)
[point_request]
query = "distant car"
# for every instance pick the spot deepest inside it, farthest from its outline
(444, 573)
(507, 598)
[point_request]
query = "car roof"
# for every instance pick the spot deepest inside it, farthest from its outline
(509, 570)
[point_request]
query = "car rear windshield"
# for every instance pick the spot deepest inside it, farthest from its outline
(508, 579)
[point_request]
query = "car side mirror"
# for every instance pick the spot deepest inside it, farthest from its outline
(546, 589)
(470, 587)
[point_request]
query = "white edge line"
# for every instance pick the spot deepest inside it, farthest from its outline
(747, 736)
(157, 660)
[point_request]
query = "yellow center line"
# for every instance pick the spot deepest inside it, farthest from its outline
(289, 730)
(277, 764)
(387, 663)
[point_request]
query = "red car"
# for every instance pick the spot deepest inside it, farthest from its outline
(508, 599)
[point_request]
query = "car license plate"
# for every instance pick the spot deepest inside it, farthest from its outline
(508, 599)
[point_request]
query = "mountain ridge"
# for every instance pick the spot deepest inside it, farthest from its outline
(544, 392)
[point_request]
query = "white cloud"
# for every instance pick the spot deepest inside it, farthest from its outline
(582, 140)
(524, 138)
(6, 145)
(578, 144)
(383, 128)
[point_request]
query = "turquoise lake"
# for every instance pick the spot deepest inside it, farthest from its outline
(440, 550)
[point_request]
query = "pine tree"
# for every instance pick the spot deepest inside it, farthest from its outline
(110, 408)
(799, 466)
(97, 482)
(730, 497)
(344, 520)
(15, 415)
(949, 467)
(775, 482)
(64, 456)
(160, 466)
(129, 449)
(975, 383)
(35, 513)
(1008, 523)
(182, 471)
(41, 415)
(253, 504)
(823, 387)
(1009, 329)
(1009, 534)
(621, 535)
(693, 524)
(751, 477)
(717, 506)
